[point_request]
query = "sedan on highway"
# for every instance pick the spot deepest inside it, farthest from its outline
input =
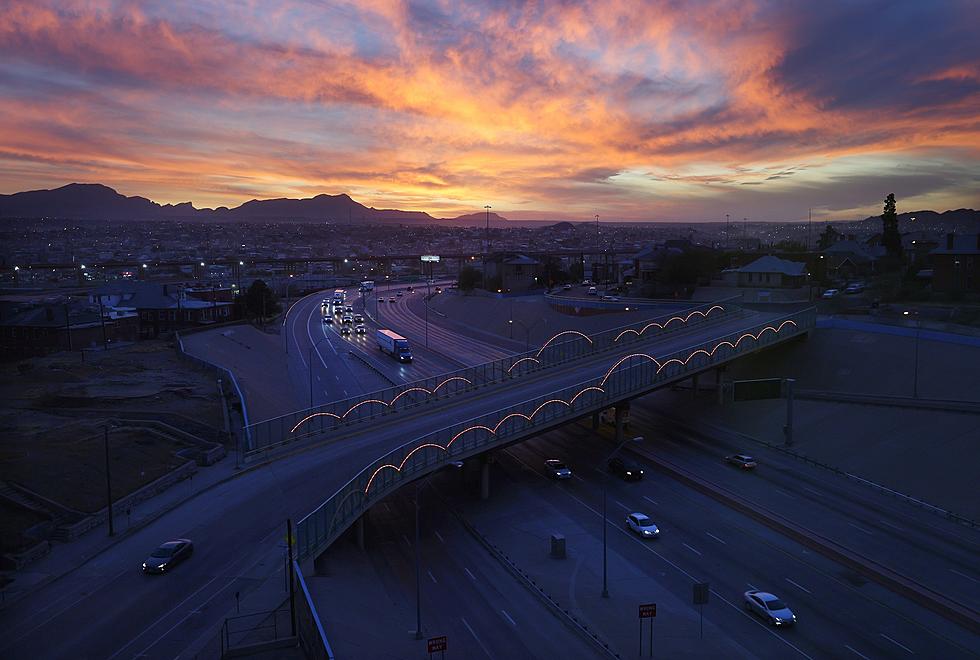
(556, 469)
(360, 329)
(400, 294)
(769, 607)
(642, 525)
(626, 471)
(744, 461)
(381, 299)
(344, 330)
(358, 318)
(348, 319)
(168, 555)
(830, 293)
(328, 319)
(391, 299)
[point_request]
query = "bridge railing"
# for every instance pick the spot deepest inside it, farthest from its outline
(311, 424)
(626, 378)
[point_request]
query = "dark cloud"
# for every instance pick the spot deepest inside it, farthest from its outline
(865, 55)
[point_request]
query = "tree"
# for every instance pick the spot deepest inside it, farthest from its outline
(828, 237)
(260, 300)
(469, 278)
(890, 238)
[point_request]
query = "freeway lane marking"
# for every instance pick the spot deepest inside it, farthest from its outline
(812, 490)
(470, 573)
(433, 578)
(856, 652)
(442, 540)
(508, 618)
(860, 529)
(953, 570)
(694, 550)
(898, 644)
(478, 640)
(798, 586)
(885, 522)
(66, 608)
(622, 505)
(740, 610)
(716, 538)
(650, 501)
(181, 603)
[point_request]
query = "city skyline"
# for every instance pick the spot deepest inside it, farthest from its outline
(669, 112)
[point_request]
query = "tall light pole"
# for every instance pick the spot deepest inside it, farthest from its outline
(605, 520)
(915, 359)
(486, 247)
(108, 479)
(487, 207)
(728, 231)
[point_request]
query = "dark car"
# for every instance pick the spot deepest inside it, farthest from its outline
(168, 555)
(345, 330)
(744, 461)
(627, 471)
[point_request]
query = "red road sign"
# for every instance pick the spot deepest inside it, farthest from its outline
(648, 611)
(437, 644)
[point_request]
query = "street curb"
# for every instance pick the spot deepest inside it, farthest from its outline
(119, 538)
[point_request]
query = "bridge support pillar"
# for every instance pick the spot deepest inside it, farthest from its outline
(485, 477)
(694, 386)
(359, 530)
(595, 421)
(621, 410)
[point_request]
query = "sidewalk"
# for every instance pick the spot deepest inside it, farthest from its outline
(65, 557)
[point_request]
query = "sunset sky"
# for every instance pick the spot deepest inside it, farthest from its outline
(632, 110)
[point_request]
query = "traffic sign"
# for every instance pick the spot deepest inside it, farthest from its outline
(430, 257)
(648, 611)
(701, 590)
(437, 644)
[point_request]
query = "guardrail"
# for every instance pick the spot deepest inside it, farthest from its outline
(627, 378)
(568, 345)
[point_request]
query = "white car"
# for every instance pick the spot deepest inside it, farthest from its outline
(567, 287)
(769, 607)
(830, 293)
(557, 469)
(642, 525)
(854, 287)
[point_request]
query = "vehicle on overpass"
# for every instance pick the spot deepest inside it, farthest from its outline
(394, 345)
(359, 329)
(557, 470)
(769, 607)
(744, 461)
(168, 555)
(642, 525)
(625, 470)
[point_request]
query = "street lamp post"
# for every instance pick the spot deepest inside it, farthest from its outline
(605, 520)
(915, 358)
(108, 479)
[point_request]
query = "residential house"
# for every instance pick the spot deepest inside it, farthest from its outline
(769, 271)
(956, 264)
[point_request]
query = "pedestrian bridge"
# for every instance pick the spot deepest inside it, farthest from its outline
(410, 430)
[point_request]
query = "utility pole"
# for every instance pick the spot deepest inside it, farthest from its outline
(105, 342)
(728, 231)
(68, 322)
(487, 207)
(809, 222)
(108, 479)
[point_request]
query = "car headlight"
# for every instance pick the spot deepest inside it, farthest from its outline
(144, 564)
(628, 473)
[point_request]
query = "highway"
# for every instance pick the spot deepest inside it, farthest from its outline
(237, 526)
(840, 614)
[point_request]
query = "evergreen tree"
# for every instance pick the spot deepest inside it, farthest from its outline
(890, 238)
(828, 237)
(260, 300)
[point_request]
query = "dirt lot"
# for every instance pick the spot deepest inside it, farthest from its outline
(50, 410)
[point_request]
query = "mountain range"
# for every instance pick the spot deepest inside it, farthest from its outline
(96, 201)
